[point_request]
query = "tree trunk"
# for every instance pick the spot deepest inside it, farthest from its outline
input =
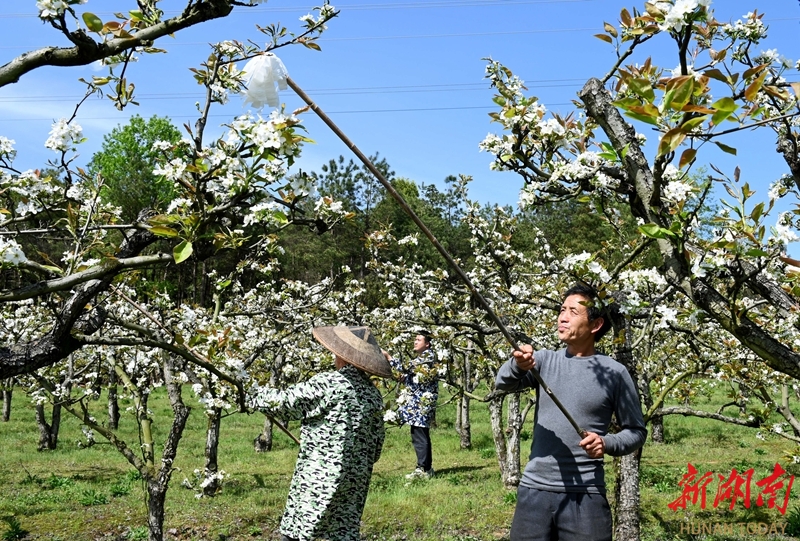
(498, 434)
(626, 503)
(212, 445)
(263, 442)
(48, 433)
(158, 480)
(514, 430)
(465, 428)
(626, 496)
(113, 402)
(464, 425)
(7, 404)
(156, 495)
(657, 429)
(506, 441)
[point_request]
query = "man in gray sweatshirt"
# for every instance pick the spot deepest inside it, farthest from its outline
(562, 492)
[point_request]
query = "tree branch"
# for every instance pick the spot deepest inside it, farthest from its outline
(87, 50)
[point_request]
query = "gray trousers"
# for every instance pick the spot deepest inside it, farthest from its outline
(542, 515)
(421, 440)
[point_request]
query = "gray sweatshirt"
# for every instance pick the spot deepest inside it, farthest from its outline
(591, 389)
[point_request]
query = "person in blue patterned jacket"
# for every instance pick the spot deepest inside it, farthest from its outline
(341, 436)
(417, 400)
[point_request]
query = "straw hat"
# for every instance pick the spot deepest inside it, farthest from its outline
(357, 346)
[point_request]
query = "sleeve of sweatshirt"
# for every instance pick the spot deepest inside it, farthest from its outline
(510, 377)
(628, 412)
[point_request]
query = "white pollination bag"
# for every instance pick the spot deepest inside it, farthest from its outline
(264, 75)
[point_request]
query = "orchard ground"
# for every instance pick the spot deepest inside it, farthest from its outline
(77, 493)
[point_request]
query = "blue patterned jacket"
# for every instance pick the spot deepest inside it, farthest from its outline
(419, 391)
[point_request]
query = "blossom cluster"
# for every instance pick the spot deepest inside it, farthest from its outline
(64, 135)
(53, 9)
(751, 29)
(678, 13)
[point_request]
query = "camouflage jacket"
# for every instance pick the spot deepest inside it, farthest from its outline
(416, 401)
(341, 438)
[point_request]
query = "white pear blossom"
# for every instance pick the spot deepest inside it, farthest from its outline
(11, 252)
(64, 135)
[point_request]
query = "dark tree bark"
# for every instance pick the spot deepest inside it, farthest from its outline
(73, 317)
(113, 401)
(463, 423)
(48, 432)
(158, 479)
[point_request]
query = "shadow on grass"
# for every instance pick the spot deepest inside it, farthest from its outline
(677, 435)
(457, 469)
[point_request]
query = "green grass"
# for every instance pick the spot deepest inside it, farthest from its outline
(76, 493)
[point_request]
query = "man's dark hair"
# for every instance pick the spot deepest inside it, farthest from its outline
(427, 335)
(593, 311)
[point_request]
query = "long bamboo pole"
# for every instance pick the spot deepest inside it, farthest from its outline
(442, 250)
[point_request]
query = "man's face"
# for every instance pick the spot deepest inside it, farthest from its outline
(573, 321)
(420, 344)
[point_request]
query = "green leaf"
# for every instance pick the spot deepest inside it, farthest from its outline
(643, 118)
(182, 251)
(717, 74)
(724, 107)
(692, 123)
(779, 93)
(654, 231)
(162, 231)
(755, 69)
(626, 103)
(670, 141)
(692, 108)
(92, 22)
(752, 91)
(725, 104)
(687, 157)
(679, 92)
(122, 33)
(625, 17)
(610, 29)
(758, 210)
(725, 148)
(755, 252)
(643, 88)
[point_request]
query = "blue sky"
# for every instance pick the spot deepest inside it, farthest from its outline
(405, 79)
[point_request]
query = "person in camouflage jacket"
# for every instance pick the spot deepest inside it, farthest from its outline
(341, 437)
